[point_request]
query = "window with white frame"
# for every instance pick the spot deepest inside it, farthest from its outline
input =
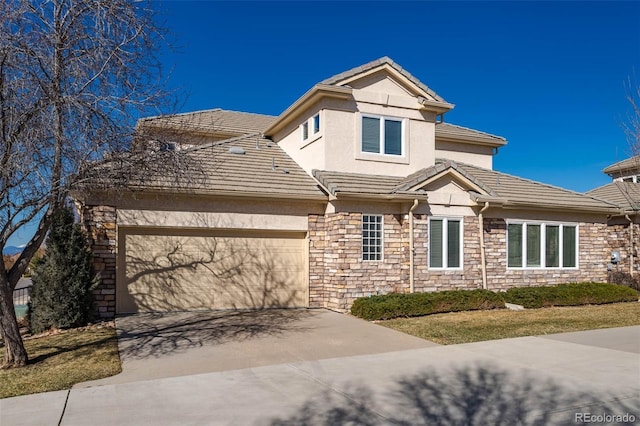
(382, 135)
(445, 243)
(305, 130)
(316, 123)
(542, 245)
(371, 237)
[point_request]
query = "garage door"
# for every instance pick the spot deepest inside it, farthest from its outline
(162, 270)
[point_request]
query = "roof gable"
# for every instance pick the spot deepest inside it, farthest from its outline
(389, 67)
(447, 171)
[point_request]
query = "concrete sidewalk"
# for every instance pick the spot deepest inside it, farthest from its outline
(546, 380)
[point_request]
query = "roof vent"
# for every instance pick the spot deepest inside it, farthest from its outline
(168, 146)
(237, 150)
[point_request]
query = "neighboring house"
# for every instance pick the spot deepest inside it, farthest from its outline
(624, 192)
(358, 188)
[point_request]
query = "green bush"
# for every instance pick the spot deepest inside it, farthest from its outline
(63, 279)
(570, 295)
(397, 305)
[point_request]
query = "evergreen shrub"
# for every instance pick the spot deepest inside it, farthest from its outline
(63, 279)
(571, 294)
(397, 305)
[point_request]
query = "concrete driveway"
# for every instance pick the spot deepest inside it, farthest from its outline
(154, 346)
(587, 377)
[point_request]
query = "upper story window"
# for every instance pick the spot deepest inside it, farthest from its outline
(445, 243)
(382, 135)
(542, 245)
(316, 123)
(310, 129)
(371, 237)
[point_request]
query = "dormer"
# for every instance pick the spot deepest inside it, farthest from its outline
(378, 119)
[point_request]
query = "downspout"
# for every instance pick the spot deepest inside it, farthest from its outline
(483, 265)
(411, 245)
(626, 216)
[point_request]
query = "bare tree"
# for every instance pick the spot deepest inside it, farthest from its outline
(631, 125)
(74, 77)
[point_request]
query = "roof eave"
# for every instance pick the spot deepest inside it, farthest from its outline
(226, 194)
(493, 143)
(435, 106)
(558, 207)
(316, 93)
(339, 195)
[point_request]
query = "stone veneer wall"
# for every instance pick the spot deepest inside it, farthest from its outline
(618, 240)
(594, 252)
(338, 275)
(100, 224)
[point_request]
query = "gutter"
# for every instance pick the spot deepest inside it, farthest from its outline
(411, 246)
(483, 260)
(376, 196)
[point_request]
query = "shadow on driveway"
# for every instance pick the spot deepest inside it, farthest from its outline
(154, 335)
(154, 346)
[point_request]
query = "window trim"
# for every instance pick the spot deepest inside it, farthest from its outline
(382, 141)
(316, 123)
(445, 243)
(381, 238)
(304, 127)
(543, 243)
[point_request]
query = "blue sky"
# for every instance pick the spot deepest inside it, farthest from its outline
(548, 76)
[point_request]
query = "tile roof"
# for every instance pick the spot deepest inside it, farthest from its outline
(499, 187)
(525, 192)
(448, 130)
(376, 63)
(239, 123)
(211, 121)
(339, 182)
(628, 164)
(262, 169)
(626, 195)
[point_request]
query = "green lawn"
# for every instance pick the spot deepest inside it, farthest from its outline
(474, 326)
(59, 361)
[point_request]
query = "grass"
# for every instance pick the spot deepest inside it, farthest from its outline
(58, 361)
(475, 326)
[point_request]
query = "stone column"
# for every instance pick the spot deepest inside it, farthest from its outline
(100, 224)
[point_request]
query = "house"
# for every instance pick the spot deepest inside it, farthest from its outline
(624, 226)
(360, 187)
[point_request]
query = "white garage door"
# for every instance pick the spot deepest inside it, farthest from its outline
(170, 270)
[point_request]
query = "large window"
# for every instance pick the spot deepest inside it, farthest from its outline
(542, 245)
(445, 243)
(382, 135)
(371, 237)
